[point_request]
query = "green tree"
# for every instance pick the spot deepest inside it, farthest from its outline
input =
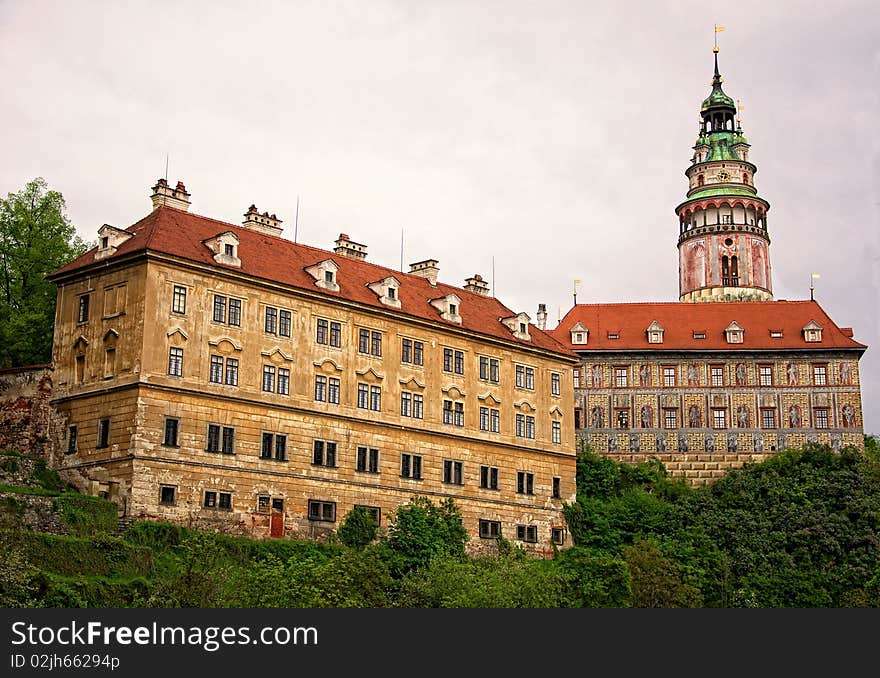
(358, 529)
(657, 580)
(36, 237)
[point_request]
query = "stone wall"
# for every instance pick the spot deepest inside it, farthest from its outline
(24, 409)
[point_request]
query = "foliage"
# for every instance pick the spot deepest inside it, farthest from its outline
(84, 515)
(16, 575)
(656, 580)
(358, 528)
(422, 531)
(36, 237)
(100, 555)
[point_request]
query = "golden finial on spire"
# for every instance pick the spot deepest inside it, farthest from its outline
(718, 29)
(739, 107)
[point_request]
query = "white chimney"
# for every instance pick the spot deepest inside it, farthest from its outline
(427, 269)
(349, 248)
(542, 316)
(177, 197)
(477, 285)
(264, 223)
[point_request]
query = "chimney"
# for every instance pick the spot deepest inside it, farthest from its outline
(427, 269)
(177, 197)
(264, 223)
(477, 285)
(542, 316)
(349, 248)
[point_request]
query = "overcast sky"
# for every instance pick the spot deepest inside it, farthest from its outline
(552, 136)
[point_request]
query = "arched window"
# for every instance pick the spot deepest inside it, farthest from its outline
(700, 180)
(746, 178)
(725, 271)
(734, 271)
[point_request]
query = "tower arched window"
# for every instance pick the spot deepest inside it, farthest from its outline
(734, 271)
(725, 271)
(746, 178)
(700, 180)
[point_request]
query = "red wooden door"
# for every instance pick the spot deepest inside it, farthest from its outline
(276, 525)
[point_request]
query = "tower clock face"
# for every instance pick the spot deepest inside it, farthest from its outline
(723, 176)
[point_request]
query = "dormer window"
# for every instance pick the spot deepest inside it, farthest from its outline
(448, 307)
(386, 290)
(519, 325)
(109, 240)
(699, 335)
(579, 334)
(812, 332)
(614, 335)
(776, 334)
(734, 333)
(324, 274)
(655, 333)
(225, 248)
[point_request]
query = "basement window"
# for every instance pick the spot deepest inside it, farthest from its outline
(699, 335)
(167, 495)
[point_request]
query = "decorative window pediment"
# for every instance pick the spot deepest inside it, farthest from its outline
(489, 399)
(111, 335)
(525, 406)
(812, 332)
(177, 330)
(324, 273)
(225, 248)
(579, 334)
(454, 392)
(80, 344)
(387, 291)
(655, 333)
(224, 340)
(556, 412)
(277, 355)
(370, 374)
(519, 325)
(449, 307)
(412, 383)
(327, 365)
(734, 333)
(109, 240)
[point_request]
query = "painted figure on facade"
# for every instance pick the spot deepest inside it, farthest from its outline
(634, 442)
(693, 375)
(794, 416)
(647, 416)
(731, 442)
(694, 418)
(758, 442)
(661, 442)
(740, 375)
(742, 416)
(644, 375)
(792, 374)
(849, 416)
(597, 376)
(710, 443)
(845, 373)
(612, 443)
(682, 442)
(597, 417)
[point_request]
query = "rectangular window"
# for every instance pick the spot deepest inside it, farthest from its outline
(717, 375)
(210, 500)
(376, 343)
(335, 334)
(363, 341)
(263, 503)
(82, 312)
(670, 419)
(554, 384)
(530, 426)
(418, 406)
(484, 368)
(228, 440)
(216, 373)
(622, 417)
(321, 388)
(376, 398)
(178, 300)
(447, 360)
(621, 377)
(269, 378)
(489, 477)
(669, 376)
(321, 331)
(557, 536)
(821, 415)
(411, 466)
(406, 346)
(231, 372)
(333, 390)
(363, 396)
(459, 362)
(212, 444)
(768, 418)
(527, 533)
(557, 487)
(80, 369)
(103, 432)
(374, 511)
(447, 411)
(484, 418)
(453, 472)
(820, 375)
(324, 453)
(167, 494)
(271, 324)
(418, 353)
(175, 361)
(458, 415)
(280, 447)
(494, 420)
(405, 404)
(520, 425)
(494, 370)
(367, 460)
(322, 510)
(765, 373)
(520, 376)
(576, 376)
(109, 362)
(172, 427)
(284, 323)
(224, 501)
(235, 312)
(72, 433)
(556, 432)
(283, 381)
(530, 378)
(719, 419)
(490, 529)
(219, 309)
(267, 446)
(525, 482)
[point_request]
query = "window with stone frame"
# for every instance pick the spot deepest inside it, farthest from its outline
(324, 453)
(489, 477)
(411, 466)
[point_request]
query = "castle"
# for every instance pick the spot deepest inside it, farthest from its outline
(217, 373)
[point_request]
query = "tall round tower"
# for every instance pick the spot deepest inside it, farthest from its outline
(723, 245)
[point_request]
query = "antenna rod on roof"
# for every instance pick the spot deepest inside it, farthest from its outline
(493, 276)
(401, 250)
(296, 220)
(166, 165)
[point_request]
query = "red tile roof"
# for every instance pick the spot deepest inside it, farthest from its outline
(181, 234)
(681, 320)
